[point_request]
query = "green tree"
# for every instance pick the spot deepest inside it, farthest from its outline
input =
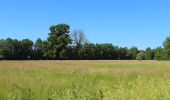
(46, 50)
(26, 49)
(123, 53)
(166, 43)
(38, 49)
(140, 56)
(8, 47)
(16, 49)
(149, 55)
(159, 53)
(58, 41)
(166, 54)
(132, 53)
(88, 51)
(106, 51)
(2, 49)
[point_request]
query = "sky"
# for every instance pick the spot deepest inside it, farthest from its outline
(125, 23)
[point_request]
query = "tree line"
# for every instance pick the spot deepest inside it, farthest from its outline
(61, 45)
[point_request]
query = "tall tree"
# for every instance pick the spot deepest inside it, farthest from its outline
(58, 41)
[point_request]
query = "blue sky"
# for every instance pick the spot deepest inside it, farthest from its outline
(141, 23)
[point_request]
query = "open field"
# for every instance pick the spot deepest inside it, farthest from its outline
(84, 80)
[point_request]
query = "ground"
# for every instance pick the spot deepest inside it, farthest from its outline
(84, 80)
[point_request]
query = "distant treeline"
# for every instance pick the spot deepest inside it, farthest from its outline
(63, 45)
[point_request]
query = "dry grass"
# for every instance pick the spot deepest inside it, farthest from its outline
(104, 66)
(96, 80)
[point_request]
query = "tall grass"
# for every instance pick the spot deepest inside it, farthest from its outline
(84, 80)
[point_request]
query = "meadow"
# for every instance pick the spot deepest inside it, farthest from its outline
(85, 80)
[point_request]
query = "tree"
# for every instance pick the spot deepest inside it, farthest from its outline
(58, 41)
(8, 48)
(78, 41)
(159, 53)
(2, 49)
(106, 51)
(38, 49)
(88, 51)
(166, 43)
(46, 50)
(140, 56)
(26, 49)
(70, 52)
(60, 45)
(16, 49)
(132, 53)
(166, 54)
(149, 55)
(123, 53)
(78, 38)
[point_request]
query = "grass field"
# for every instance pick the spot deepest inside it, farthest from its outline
(84, 80)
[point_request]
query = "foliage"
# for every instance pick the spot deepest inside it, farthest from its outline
(140, 56)
(132, 53)
(149, 55)
(60, 45)
(123, 53)
(38, 49)
(26, 49)
(159, 53)
(58, 40)
(166, 43)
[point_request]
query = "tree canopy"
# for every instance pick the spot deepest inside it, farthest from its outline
(61, 44)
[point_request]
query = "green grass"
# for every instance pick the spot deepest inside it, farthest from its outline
(84, 80)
